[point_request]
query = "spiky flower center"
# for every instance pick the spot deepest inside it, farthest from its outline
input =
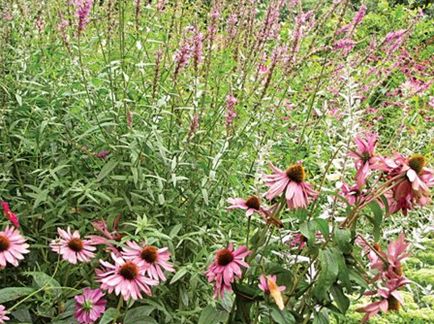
(393, 304)
(149, 254)
(87, 305)
(4, 243)
(253, 202)
(296, 173)
(365, 157)
(129, 270)
(224, 257)
(417, 162)
(76, 245)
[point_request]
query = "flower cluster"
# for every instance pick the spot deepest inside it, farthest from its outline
(389, 276)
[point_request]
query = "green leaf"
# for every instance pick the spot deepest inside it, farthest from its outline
(328, 273)
(42, 279)
(339, 297)
(12, 293)
(343, 240)
(109, 316)
(378, 218)
(140, 315)
(178, 275)
(106, 169)
(323, 226)
(22, 315)
(282, 317)
(211, 315)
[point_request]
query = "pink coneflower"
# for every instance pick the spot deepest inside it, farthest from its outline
(297, 240)
(350, 193)
(250, 205)
(415, 186)
(3, 312)
(226, 268)
(390, 299)
(125, 277)
(12, 217)
(364, 156)
(155, 259)
(394, 256)
(269, 286)
(89, 306)
(297, 191)
(71, 247)
(12, 247)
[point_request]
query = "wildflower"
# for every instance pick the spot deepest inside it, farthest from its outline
(231, 101)
(182, 56)
(414, 188)
(250, 205)
(296, 240)
(194, 125)
(82, 10)
(102, 154)
(232, 25)
(125, 277)
(298, 192)
(390, 299)
(269, 286)
(350, 193)
(71, 247)
(395, 255)
(3, 312)
(226, 268)
(12, 217)
(345, 45)
(364, 156)
(12, 247)
(155, 259)
(89, 306)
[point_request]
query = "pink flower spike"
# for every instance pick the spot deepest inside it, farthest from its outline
(71, 247)
(12, 217)
(226, 268)
(297, 191)
(251, 205)
(12, 247)
(155, 260)
(125, 277)
(3, 312)
(89, 306)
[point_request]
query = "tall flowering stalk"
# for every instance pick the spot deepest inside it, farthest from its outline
(82, 11)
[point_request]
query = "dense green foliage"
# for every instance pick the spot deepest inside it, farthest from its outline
(65, 97)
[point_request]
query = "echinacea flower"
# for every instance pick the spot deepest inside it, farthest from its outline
(125, 277)
(71, 247)
(414, 188)
(350, 193)
(89, 306)
(3, 312)
(155, 259)
(12, 247)
(296, 240)
(390, 299)
(298, 192)
(226, 268)
(268, 285)
(395, 255)
(12, 217)
(364, 156)
(250, 205)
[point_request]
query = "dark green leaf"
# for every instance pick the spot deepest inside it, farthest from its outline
(339, 297)
(140, 315)
(12, 293)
